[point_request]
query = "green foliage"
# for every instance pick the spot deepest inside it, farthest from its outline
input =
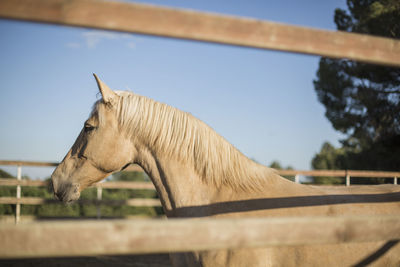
(130, 176)
(363, 100)
(120, 194)
(4, 174)
(54, 210)
(277, 165)
(329, 158)
(7, 192)
(370, 17)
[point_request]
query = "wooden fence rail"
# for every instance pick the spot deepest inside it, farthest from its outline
(329, 173)
(206, 27)
(151, 236)
(18, 201)
(178, 235)
(137, 202)
(48, 164)
(108, 185)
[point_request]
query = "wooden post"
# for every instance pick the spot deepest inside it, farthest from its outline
(347, 179)
(18, 205)
(395, 180)
(297, 178)
(99, 196)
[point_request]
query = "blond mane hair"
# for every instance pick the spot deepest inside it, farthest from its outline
(179, 135)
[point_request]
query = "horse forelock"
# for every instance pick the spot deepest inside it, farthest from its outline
(178, 134)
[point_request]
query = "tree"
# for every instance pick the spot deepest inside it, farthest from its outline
(329, 158)
(277, 165)
(363, 100)
(4, 174)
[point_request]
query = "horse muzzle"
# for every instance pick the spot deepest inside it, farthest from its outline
(66, 192)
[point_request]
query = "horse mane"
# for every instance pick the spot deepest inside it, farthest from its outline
(180, 135)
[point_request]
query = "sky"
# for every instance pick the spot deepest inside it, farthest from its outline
(261, 101)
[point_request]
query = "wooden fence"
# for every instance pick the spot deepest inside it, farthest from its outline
(36, 240)
(146, 202)
(206, 27)
(179, 235)
(18, 200)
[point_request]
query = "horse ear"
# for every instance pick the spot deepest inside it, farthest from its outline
(109, 95)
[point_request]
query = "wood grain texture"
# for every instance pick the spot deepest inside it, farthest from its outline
(154, 236)
(207, 27)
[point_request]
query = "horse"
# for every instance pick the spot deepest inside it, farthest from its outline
(197, 173)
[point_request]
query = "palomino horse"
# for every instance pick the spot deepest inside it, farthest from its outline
(197, 173)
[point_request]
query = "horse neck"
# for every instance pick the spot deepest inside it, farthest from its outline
(177, 184)
(183, 193)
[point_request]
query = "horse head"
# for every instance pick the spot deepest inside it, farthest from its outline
(99, 150)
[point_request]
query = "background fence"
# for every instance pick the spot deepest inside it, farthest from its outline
(123, 237)
(147, 202)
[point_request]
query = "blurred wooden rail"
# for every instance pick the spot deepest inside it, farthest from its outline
(137, 202)
(48, 164)
(206, 27)
(18, 200)
(108, 185)
(180, 235)
(121, 185)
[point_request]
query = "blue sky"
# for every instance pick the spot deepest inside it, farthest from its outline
(261, 101)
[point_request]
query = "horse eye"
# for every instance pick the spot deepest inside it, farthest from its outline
(88, 127)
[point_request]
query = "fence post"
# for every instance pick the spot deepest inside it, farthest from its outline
(18, 205)
(395, 180)
(297, 178)
(347, 179)
(99, 196)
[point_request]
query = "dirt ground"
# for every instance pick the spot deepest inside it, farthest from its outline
(149, 260)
